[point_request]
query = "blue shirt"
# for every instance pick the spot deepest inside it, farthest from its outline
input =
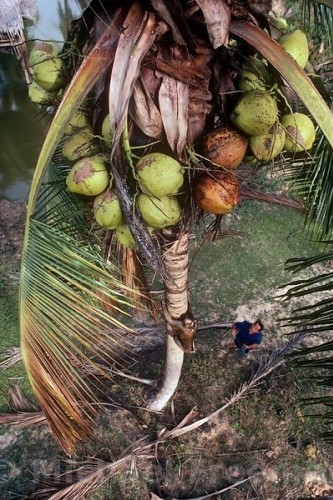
(244, 336)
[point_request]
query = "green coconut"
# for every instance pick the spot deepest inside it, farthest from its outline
(89, 176)
(50, 74)
(300, 132)
(41, 96)
(107, 209)
(296, 44)
(42, 50)
(270, 144)
(159, 212)
(159, 174)
(125, 237)
(106, 132)
(255, 113)
(280, 23)
(255, 76)
(80, 145)
(80, 120)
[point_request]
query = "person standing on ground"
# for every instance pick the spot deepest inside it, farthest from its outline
(248, 335)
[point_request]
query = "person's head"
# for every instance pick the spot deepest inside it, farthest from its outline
(257, 326)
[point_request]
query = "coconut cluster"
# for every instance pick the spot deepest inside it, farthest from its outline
(258, 127)
(260, 114)
(159, 178)
(49, 74)
(257, 124)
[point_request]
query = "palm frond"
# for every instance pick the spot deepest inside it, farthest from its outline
(318, 15)
(318, 318)
(18, 400)
(12, 355)
(23, 419)
(25, 413)
(65, 287)
(64, 323)
(311, 178)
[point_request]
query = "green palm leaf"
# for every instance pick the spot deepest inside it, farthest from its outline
(318, 319)
(318, 15)
(64, 292)
(311, 177)
(65, 288)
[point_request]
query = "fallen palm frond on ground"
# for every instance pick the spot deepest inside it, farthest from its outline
(23, 419)
(24, 413)
(12, 355)
(210, 495)
(93, 473)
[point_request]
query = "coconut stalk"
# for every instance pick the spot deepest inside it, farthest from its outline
(176, 261)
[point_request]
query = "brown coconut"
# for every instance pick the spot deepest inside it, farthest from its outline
(217, 193)
(225, 147)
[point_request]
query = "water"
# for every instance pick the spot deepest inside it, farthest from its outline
(23, 125)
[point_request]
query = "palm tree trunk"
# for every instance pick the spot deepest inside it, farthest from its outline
(175, 255)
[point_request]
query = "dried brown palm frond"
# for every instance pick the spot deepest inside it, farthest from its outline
(174, 16)
(90, 475)
(217, 19)
(272, 198)
(135, 281)
(23, 419)
(139, 35)
(12, 356)
(173, 101)
(18, 400)
(144, 111)
(25, 413)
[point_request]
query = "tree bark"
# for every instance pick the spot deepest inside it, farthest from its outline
(176, 261)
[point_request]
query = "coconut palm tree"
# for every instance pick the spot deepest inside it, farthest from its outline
(164, 74)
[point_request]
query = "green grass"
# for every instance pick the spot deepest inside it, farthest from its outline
(236, 269)
(10, 333)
